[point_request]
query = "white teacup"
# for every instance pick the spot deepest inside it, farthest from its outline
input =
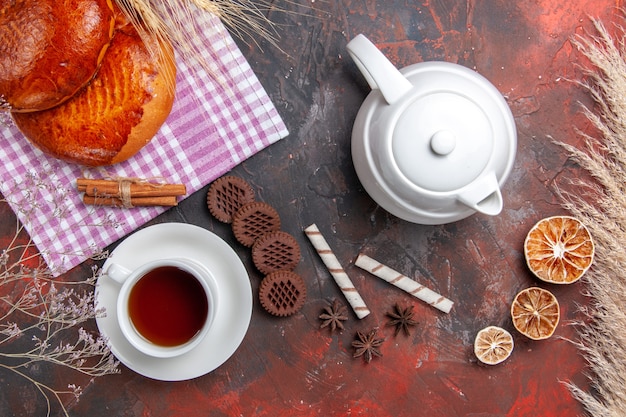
(165, 307)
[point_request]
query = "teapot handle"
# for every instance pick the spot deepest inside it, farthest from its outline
(378, 71)
(483, 195)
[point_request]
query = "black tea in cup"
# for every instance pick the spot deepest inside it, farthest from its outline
(168, 306)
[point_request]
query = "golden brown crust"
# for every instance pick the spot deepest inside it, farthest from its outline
(48, 51)
(115, 115)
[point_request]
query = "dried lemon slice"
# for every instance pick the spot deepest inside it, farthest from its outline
(559, 249)
(493, 345)
(535, 313)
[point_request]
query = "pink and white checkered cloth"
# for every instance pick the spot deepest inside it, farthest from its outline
(217, 121)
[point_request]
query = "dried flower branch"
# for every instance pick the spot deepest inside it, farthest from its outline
(43, 319)
(601, 204)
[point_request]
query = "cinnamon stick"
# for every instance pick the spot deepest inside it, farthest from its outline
(167, 201)
(111, 188)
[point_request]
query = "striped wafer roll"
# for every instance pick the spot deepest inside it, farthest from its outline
(403, 282)
(336, 270)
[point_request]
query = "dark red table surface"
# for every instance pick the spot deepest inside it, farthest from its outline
(288, 366)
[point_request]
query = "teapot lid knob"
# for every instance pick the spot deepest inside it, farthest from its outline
(443, 142)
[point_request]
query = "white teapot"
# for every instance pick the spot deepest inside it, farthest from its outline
(433, 142)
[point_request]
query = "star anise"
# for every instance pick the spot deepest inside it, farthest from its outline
(333, 316)
(402, 319)
(367, 345)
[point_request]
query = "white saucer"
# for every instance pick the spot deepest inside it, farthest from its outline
(234, 309)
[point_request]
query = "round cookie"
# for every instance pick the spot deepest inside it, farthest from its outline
(227, 195)
(282, 293)
(253, 220)
(275, 251)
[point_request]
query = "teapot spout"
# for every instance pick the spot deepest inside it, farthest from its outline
(378, 71)
(483, 195)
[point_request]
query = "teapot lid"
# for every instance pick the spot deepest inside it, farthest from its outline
(451, 129)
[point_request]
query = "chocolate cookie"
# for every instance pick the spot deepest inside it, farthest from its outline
(275, 251)
(253, 220)
(282, 293)
(227, 195)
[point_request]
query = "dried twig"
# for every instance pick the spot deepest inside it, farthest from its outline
(42, 319)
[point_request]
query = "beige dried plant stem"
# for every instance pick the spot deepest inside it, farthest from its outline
(177, 21)
(246, 18)
(601, 204)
